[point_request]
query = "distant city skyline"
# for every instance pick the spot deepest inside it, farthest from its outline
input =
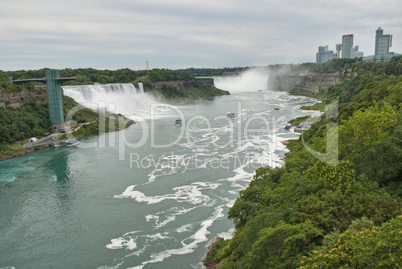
(382, 44)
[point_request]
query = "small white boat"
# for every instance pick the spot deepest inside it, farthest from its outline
(71, 142)
(231, 115)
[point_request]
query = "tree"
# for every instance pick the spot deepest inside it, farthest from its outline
(398, 69)
(367, 126)
(283, 246)
(389, 69)
(381, 161)
(338, 177)
(371, 247)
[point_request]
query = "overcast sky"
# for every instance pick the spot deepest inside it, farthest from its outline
(112, 34)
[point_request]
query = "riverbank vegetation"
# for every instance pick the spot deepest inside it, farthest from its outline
(86, 76)
(313, 213)
(20, 123)
(32, 120)
(172, 93)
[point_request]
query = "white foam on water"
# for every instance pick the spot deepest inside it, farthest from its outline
(167, 165)
(169, 216)
(129, 242)
(185, 228)
(262, 145)
(156, 236)
(119, 243)
(136, 267)
(198, 237)
(189, 193)
(158, 224)
(227, 235)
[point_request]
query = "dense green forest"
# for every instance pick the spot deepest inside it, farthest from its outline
(90, 76)
(208, 72)
(194, 90)
(32, 120)
(24, 122)
(311, 214)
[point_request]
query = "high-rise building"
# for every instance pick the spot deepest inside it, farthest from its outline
(338, 50)
(356, 53)
(382, 43)
(324, 54)
(347, 44)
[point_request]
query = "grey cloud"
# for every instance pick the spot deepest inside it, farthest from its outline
(184, 33)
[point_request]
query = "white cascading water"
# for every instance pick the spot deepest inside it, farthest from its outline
(255, 79)
(122, 98)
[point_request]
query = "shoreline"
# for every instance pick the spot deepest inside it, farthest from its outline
(23, 151)
(213, 263)
(17, 149)
(210, 249)
(286, 141)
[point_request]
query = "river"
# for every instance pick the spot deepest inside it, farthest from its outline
(150, 196)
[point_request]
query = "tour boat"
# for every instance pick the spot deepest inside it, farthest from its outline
(71, 142)
(231, 115)
(178, 122)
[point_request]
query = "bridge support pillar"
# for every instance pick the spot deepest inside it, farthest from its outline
(55, 99)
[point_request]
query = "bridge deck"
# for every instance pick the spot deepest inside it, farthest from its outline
(43, 80)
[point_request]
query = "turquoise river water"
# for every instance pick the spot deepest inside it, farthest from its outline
(151, 196)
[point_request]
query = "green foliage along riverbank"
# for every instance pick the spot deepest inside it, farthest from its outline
(86, 76)
(310, 214)
(30, 120)
(183, 90)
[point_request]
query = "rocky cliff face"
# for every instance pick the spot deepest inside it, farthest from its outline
(303, 84)
(24, 97)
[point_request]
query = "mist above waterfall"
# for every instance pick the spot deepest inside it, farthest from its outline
(124, 98)
(255, 79)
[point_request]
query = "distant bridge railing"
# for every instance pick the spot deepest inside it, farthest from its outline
(43, 80)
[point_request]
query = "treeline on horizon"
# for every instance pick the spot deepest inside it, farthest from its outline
(311, 213)
(126, 75)
(85, 76)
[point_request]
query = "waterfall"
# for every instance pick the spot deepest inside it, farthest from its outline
(141, 87)
(124, 98)
(252, 80)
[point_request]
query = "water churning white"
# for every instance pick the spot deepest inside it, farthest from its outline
(123, 98)
(251, 80)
